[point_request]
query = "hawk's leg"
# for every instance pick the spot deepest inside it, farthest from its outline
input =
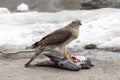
(67, 56)
(38, 51)
(63, 50)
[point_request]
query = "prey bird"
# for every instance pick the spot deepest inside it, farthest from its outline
(59, 38)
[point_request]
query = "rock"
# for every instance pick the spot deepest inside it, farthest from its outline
(90, 46)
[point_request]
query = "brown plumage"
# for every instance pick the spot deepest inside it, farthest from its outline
(55, 38)
(59, 38)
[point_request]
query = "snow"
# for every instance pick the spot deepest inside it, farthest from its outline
(4, 11)
(23, 7)
(113, 43)
(21, 30)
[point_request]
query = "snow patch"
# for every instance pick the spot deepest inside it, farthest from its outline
(23, 7)
(4, 11)
(21, 30)
(113, 43)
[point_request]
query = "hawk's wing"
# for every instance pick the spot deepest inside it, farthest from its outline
(57, 37)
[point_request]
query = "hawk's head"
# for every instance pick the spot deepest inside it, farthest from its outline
(77, 22)
(74, 24)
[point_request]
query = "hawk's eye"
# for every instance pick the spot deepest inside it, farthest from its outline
(80, 23)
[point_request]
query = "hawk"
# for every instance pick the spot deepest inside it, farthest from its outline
(59, 38)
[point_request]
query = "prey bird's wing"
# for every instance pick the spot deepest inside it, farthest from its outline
(57, 37)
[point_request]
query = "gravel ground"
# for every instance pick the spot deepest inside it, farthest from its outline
(13, 69)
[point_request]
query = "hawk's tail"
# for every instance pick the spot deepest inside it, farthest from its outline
(35, 45)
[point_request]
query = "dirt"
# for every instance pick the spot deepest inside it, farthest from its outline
(13, 69)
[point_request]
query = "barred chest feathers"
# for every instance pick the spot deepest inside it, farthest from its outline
(75, 32)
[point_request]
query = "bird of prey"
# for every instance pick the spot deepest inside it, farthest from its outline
(59, 38)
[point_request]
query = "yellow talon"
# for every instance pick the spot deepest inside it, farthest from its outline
(67, 56)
